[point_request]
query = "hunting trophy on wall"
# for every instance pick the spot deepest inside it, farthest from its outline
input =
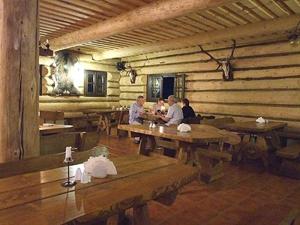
(129, 71)
(224, 64)
(61, 71)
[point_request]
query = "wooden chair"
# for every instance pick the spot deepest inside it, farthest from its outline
(53, 117)
(50, 144)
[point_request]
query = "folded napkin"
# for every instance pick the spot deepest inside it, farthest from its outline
(99, 167)
(261, 120)
(184, 127)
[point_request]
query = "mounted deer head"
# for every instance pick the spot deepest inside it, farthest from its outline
(132, 74)
(121, 66)
(224, 64)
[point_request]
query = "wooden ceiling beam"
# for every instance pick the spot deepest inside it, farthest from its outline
(279, 25)
(137, 18)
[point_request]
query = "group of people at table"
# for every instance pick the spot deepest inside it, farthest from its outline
(174, 116)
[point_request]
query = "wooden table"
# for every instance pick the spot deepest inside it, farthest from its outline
(54, 129)
(187, 143)
(105, 117)
(39, 199)
(151, 117)
(268, 131)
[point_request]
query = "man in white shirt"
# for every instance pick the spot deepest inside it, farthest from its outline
(136, 110)
(174, 115)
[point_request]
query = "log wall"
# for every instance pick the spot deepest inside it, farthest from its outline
(77, 103)
(267, 80)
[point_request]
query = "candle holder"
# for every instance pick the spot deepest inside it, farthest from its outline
(68, 182)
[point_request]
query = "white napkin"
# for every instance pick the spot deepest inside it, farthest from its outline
(100, 167)
(184, 127)
(260, 120)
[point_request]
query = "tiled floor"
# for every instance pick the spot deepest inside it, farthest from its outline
(245, 196)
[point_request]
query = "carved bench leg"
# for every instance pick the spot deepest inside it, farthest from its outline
(141, 215)
(118, 219)
(212, 169)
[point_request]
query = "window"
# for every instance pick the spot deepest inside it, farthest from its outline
(162, 86)
(95, 83)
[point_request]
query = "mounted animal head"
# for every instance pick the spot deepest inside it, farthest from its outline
(121, 66)
(132, 74)
(224, 64)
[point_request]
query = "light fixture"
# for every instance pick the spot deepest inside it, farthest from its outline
(294, 37)
(44, 49)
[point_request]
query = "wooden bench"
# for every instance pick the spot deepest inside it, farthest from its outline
(212, 156)
(290, 165)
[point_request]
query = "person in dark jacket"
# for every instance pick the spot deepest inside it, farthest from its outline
(188, 112)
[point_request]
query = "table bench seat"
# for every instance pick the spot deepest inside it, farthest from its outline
(289, 152)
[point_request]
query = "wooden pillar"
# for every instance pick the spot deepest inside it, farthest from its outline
(19, 134)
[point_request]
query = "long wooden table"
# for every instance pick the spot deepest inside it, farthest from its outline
(54, 128)
(187, 144)
(39, 199)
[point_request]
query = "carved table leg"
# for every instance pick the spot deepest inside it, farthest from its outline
(141, 215)
(147, 144)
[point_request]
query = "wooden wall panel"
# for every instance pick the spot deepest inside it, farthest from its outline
(267, 80)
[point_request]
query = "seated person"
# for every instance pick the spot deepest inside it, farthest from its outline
(158, 107)
(174, 115)
(187, 110)
(136, 110)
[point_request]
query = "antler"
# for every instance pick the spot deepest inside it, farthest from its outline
(233, 48)
(211, 57)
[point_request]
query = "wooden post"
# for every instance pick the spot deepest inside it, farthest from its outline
(19, 136)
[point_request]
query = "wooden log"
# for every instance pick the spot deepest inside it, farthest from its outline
(112, 85)
(76, 106)
(254, 111)
(113, 76)
(75, 99)
(140, 79)
(19, 79)
(247, 74)
(113, 92)
(283, 84)
(284, 97)
(133, 89)
(255, 29)
(246, 51)
(238, 64)
(152, 13)
(218, 51)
